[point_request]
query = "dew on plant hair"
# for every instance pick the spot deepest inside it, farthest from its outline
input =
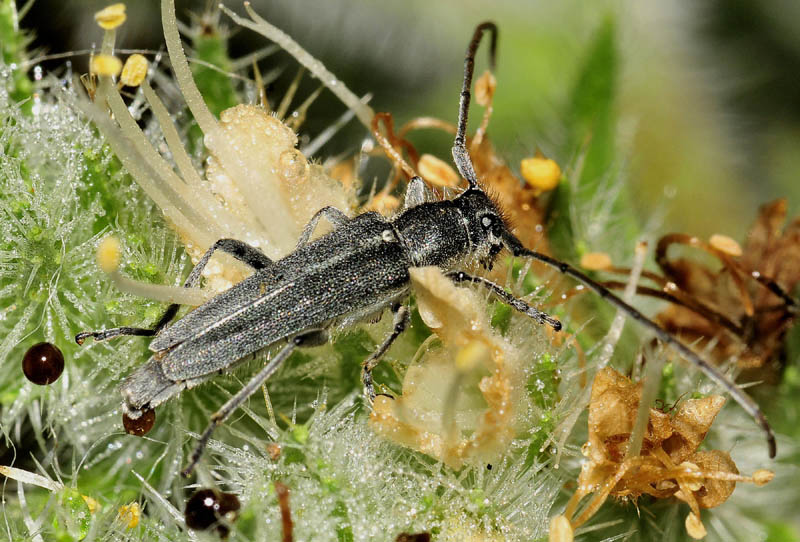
(43, 363)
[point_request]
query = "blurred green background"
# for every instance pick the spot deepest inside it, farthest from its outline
(708, 94)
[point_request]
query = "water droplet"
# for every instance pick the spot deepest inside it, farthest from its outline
(207, 506)
(43, 363)
(141, 425)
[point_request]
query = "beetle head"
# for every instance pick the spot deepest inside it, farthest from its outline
(485, 223)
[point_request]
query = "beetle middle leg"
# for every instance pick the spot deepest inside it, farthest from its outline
(400, 323)
(514, 302)
(316, 337)
(238, 249)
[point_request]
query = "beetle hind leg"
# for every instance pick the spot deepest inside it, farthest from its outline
(400, 323)
(315, 337)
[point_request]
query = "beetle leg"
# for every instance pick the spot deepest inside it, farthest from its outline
(314, 337)
(513, 302)
(401, 319)
(417, 193)
(334, 216)
(238, 249)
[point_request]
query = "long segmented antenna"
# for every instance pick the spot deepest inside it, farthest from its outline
(463, 162)
(460, 153)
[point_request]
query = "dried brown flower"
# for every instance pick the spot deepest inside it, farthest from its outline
(668, 465)
(742, 304)
(744, 290)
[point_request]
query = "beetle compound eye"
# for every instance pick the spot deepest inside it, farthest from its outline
(141, 425)
(43, 363)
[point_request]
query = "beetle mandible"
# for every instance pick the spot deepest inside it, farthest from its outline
(356, 271)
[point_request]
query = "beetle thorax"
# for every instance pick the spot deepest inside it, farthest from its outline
(434, 234)
(466, 230)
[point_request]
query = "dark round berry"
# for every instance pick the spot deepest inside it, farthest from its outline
(141, 425)
(43, 363)
(207, 506)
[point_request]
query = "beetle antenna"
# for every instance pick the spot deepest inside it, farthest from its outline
(518, 249)
(460, 154)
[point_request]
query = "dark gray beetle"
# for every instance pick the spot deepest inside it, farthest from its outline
(352, 273)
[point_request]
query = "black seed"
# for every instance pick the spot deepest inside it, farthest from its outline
(141, 425)
(43, 363)
(207, 506)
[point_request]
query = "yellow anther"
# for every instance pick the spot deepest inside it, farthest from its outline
(109, 254)
(695, 527)
(596, 261)
(484, 88)
(542, 174)
(134, 71)
(92, 504)
(437, 171)
(471, 355)
(762, 476)
(385, 204)
(725, 244)
(105, 65)
(130, 513)
(560, 530)
(111, 17)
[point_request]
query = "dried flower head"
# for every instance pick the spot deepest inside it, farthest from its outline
(444, 420)
(669, 463)
(744, 305)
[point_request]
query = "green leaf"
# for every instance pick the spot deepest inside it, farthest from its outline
(592, 116)
(591, 121)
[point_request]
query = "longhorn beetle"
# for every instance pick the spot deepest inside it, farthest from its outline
(355, 271)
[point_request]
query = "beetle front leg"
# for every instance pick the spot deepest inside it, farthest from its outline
(238, 249)
(334, 216)
(316, 337)
(514, 302)
(400, 323)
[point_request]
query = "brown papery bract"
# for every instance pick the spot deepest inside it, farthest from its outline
(669, 464)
